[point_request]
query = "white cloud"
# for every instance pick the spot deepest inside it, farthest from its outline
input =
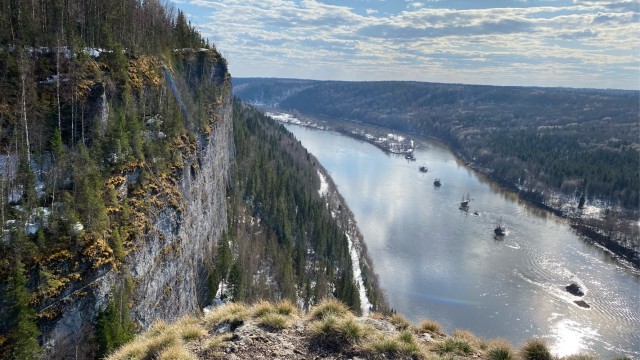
(577, 45)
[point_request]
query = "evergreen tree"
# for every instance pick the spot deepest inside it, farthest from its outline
(25, 333)
(114, 326)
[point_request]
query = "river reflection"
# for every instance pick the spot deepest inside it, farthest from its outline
(437, 262)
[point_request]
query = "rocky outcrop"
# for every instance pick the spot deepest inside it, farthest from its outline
(169, 265)
(574, 289)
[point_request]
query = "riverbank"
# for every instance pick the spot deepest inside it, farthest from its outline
(614, 229)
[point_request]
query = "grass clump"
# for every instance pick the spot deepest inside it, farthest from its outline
(336, 333)
(403, 346)
(262, 308)
(146, 348)
(454, 345)
(163, 341)
(500, 349)
(216, 344)
(431, 327)
(535, 349)
(469, 337)
(286, 307)
(399, 321)
(274, 321)
(176, 352)
(329, 307)
(276, 316)
(232, 313)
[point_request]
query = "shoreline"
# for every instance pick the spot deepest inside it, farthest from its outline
(592, 233)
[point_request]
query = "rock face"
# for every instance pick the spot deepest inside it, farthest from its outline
(169, 265)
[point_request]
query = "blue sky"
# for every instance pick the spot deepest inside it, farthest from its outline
(571, 43)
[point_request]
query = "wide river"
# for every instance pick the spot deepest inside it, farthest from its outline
(438, 262)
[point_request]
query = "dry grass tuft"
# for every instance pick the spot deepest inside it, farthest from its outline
(500, 349)
(329, 307)
(404, 346)
(535, 349)
(261, 308)
(286, 307)
(274, 321)
(336, 333)
(399, 321)
(232, 313)
(432, 327)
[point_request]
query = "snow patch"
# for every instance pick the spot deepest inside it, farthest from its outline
(324, 185)
(285, 118)
(357, 275)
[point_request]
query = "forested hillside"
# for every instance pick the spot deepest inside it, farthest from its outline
(289, 245)
(570, 140)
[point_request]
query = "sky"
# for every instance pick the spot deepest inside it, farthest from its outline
(569, 43)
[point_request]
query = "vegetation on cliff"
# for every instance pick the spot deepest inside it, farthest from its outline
(92, 139)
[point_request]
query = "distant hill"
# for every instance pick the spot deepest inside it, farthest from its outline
(569, 140)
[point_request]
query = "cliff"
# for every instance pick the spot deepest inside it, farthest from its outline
(169, 264)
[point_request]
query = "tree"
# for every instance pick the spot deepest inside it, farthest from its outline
(114, 326)
(25, 333)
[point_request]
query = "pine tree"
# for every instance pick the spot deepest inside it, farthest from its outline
(114, 326)
(25, 333)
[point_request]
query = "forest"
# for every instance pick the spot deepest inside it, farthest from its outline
(289, 245)
(574, 141)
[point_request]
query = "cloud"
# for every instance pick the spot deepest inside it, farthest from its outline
(581, 41)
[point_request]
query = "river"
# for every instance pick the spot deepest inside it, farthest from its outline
(440, 263)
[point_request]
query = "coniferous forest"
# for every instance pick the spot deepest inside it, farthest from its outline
(281, 227)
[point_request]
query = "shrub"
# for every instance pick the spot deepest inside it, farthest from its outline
(536, 349)
(329, 307)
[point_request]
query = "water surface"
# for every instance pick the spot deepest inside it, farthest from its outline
(438, 262)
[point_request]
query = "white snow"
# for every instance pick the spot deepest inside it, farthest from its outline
(324, 185)
(357, 275)
(285, 118)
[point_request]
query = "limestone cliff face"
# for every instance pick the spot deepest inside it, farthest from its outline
(167, 268)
